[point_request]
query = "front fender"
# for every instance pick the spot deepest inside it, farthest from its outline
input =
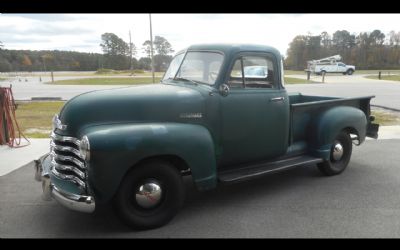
(116, 148)
(329, 124)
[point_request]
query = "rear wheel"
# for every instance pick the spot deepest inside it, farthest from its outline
(150, 195)
(339, 157)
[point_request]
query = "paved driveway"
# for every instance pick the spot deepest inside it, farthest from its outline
(363, 201)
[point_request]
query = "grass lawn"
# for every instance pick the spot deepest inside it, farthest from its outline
(107, 81)
(295, 72)
(385, 77)
(385, 118)
(376, 71)
(109, 72)
(292, 80)
(35, 118)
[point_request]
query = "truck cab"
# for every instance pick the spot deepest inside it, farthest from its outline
(220, 114)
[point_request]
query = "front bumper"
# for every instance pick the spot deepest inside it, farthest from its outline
(81, 203)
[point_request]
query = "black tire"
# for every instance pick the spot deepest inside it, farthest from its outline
(129, 209)
(350, 72)
(336, 166)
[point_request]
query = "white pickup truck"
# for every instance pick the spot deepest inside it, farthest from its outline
(330, 65)
(335, 68)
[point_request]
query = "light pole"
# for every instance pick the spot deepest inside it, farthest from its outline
(130, 48)
(151, 50)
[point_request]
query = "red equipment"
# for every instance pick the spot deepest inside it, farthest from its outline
(9, 127)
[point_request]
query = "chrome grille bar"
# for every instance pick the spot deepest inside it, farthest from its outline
(67, 158)
(66, 149)
(60, 138)
(68, 168)
(72, 178)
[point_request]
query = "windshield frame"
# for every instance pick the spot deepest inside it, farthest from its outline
(196, 50)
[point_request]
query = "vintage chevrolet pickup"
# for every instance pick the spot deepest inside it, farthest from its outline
(221, 114)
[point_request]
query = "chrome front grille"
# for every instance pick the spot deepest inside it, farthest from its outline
(66, 160)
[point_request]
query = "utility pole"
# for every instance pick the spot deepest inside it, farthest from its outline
(151, 50)
(44, 63)
(130, 48)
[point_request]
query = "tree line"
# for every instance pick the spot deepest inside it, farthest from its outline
(366, 50)
(117, 55)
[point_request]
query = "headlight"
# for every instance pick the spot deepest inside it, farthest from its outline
(57, 123)
(84, 148)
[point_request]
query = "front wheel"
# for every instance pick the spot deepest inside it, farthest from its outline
(350, 72)
(339, 157)
(150, 195)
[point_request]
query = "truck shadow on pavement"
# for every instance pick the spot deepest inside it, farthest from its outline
(25, 214)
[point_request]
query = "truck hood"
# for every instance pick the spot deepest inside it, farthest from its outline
(147, 103)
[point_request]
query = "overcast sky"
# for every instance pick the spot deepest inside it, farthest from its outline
(82, 32)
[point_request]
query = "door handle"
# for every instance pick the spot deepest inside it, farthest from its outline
(277, 99)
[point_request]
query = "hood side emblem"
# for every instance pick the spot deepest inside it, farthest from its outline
(191, 115)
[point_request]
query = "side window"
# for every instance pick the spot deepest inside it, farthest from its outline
(236, 76)
(258, 72)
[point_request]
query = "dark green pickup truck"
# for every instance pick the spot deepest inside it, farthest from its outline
(221, 114)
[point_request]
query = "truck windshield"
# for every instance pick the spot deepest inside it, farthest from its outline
(199, 67)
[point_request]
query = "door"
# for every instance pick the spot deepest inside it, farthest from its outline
(341, 67)
(255, 113)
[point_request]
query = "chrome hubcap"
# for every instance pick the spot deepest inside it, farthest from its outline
(149, 194)
(337, 152)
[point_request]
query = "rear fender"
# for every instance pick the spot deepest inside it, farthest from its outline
(324, 128)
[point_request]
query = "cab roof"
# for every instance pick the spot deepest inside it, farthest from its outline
(229, 49)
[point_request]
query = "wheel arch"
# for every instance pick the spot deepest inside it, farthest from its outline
(330, 123)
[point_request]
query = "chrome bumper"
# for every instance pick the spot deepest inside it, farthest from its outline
(75, 202)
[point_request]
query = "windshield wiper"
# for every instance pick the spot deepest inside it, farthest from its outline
(190, 80)
(185, 80)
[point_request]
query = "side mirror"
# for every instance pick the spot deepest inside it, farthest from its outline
(224, 89)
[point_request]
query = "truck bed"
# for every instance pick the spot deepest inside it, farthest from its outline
(304, 108)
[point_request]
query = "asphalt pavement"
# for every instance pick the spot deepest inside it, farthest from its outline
(363, 201)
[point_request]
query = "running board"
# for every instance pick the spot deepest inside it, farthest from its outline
(259, 169)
